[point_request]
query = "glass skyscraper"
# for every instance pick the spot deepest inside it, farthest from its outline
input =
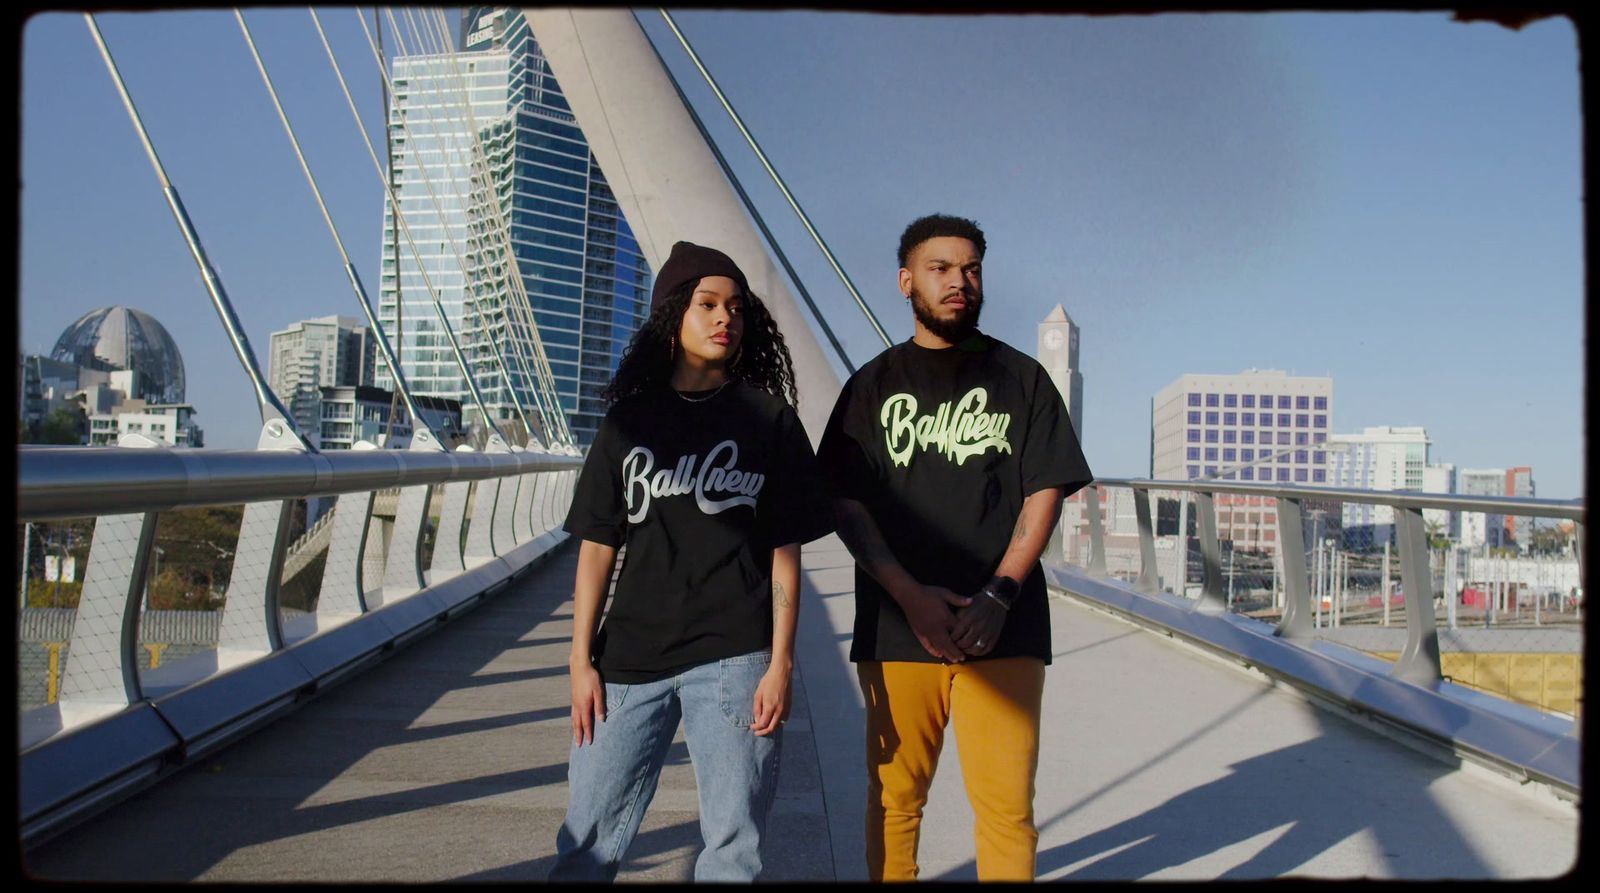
(512, 160)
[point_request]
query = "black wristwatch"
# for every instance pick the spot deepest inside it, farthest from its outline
(1002, 589)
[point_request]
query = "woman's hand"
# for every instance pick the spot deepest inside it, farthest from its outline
(588, 703)
(772, 699)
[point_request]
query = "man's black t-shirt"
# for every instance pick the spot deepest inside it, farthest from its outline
(942, 447)
(701, 493)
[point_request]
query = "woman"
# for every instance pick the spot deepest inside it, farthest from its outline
(702, 469)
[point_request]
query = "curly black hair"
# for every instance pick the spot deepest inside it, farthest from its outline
(935, 225)
(762, 360)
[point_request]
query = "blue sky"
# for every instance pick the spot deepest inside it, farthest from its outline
(1391, 199)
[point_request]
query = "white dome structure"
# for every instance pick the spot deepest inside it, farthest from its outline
(113, 338)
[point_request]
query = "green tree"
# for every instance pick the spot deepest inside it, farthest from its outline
(196, 557)
(1549, 539)
(64, 425)
(1436, 535)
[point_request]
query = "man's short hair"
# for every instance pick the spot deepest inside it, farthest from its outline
(935, 225)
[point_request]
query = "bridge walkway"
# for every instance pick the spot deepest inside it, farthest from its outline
(447, 762)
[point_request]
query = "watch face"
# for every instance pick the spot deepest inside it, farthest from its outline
(1052, 339)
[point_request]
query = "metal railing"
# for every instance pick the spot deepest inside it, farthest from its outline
(119, 723)
(1411, 692)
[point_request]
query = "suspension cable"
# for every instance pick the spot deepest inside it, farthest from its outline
(355, 280)
(484, 197)
(728, 107)
(269, 404)
(401, 224)
(438, 206)
(500, 229)
(755, 214)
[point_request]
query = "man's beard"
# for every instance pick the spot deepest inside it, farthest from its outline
(951, 330)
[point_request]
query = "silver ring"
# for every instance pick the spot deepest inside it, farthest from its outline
(978, 644)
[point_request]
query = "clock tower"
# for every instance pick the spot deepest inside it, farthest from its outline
(1058, 354)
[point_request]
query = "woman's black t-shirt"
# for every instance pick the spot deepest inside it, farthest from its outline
(942, 447)
(701, 491)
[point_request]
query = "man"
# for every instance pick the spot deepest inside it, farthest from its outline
(949, 456)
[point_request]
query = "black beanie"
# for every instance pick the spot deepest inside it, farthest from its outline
(689, 263)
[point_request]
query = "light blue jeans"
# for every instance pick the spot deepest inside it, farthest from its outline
(611, 781)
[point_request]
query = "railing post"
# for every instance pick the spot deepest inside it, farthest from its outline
(569, 484)
(522, 521)
(1211, 598)
(251, 622)
(1577, 541)
(505, 510)
(343, 588)
(1419, 661)
(402, 572)
(550, 483)
(1149, 580)
(482, 545)
(447, 554)
(1296, 620)
(1097, 539)
(250, 619)
(103, 657)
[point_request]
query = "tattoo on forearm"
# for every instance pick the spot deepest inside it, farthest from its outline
(780, 599)
(1020, 532)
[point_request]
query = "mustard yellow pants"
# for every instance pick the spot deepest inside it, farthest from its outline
(994, 705)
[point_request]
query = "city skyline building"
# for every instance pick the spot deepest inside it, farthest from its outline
(119, 337)
(1441, 478)
(1058, 353)
(1519, 484)
(1482, 529)
(1259, 425)
(350, 413)
(1384, 458)
(513, 221)
(118, 371)
(308, 355)
(169, 423)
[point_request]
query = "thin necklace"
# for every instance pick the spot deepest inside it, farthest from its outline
(706, 397)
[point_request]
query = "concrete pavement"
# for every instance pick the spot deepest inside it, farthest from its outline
(448, 762)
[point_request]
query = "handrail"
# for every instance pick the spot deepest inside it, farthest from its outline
(1419, 661)
(1571, 509)
(115, 727)
(1409, 693)
(68, 482)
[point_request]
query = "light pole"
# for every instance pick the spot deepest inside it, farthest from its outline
(27, 540)
(1230, 576)
(154, 573)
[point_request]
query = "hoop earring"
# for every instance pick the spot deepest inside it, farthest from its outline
(737, 356)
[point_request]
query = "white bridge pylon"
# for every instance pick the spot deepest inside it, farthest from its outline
(664, 175)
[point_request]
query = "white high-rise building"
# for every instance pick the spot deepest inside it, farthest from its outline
(486, 153)
(1058, 354)
(1482, 528)
(1258, 425)
(1490, 529)
(1441, 478)
(169, 423)
(331, 351)
(1384, 458)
